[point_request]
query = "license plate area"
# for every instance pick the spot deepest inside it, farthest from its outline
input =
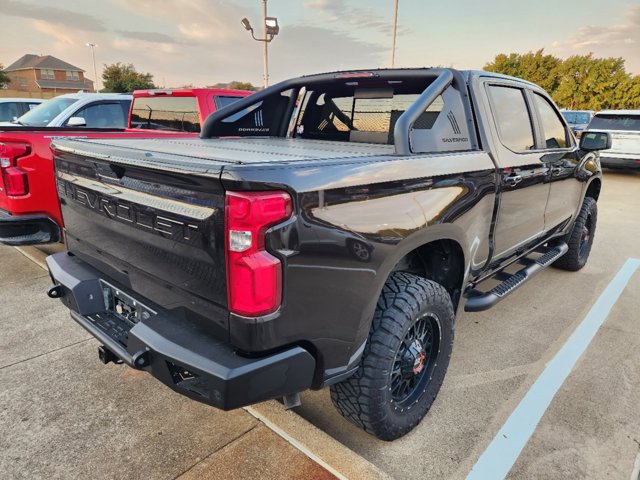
(124, 306)
(121, 313)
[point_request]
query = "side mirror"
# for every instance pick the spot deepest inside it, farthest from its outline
(593, 141)
(76, 122)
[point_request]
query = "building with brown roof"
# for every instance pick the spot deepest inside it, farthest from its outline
(46, 74)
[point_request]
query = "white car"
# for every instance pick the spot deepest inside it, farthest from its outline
(624, 127)
(91, 110)
(12, 108)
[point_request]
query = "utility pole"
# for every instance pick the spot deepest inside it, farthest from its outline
(395, 26)
(95, 71)
(265, 58)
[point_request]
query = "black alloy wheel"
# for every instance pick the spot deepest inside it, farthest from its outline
(415, 360)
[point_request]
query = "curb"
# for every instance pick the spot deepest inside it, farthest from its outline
(320, 447)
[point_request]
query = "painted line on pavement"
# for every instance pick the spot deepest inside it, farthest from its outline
(505, 448)
(635, 474)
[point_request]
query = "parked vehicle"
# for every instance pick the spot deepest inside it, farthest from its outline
(29, 208)
(205, 261)
(624, 127)
(182, 109)
(577, 119)
(92, 110)
(12, 108)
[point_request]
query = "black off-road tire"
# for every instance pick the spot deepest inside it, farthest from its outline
(580, 238)
(407, 306)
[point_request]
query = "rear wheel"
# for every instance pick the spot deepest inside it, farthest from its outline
(404, 361)
(580, 238)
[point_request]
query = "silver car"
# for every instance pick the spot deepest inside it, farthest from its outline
(577, 119)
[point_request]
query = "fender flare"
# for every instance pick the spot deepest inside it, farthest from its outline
(408, 244)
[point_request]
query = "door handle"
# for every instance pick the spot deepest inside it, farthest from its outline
(512, 180)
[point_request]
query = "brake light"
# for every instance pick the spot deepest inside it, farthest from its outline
(355, 75)
(254, 276)
(14, 179)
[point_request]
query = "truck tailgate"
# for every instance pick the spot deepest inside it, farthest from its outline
(150, 222)
(150, 213)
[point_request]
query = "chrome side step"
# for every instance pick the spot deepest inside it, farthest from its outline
(479, 301)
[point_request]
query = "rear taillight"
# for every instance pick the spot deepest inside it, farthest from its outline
(254, 276)
(14, 179)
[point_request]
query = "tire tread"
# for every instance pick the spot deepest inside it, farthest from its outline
(572, 261)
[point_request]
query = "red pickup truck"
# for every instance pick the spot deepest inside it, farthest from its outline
(29, 207)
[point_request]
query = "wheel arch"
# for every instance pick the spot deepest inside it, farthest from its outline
(442, 261)
(593, 188)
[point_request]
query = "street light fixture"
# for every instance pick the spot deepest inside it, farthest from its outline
(271, 26)
(93, 54)
(270, 29)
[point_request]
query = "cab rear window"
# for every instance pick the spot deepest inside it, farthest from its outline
(177, 114)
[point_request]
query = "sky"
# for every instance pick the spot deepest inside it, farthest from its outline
(201, 42)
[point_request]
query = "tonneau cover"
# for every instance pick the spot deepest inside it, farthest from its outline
(196, 154)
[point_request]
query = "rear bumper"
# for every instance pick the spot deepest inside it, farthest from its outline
(182, 355)
(28, 229)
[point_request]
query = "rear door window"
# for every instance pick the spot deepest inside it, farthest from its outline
(512, 117)
(630, 123)
(178, 114)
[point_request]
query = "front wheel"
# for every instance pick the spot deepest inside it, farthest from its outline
(404, 361)
(580, 238)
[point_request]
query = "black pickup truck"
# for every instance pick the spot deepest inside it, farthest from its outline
(323, 232)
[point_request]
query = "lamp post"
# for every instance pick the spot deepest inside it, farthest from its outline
(93, 55)
(270, 29)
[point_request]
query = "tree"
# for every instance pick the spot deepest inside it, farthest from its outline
(592, 83)
(536, 67)
(236, 85)
(4, 79)
(120, 77)
(578, 82)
